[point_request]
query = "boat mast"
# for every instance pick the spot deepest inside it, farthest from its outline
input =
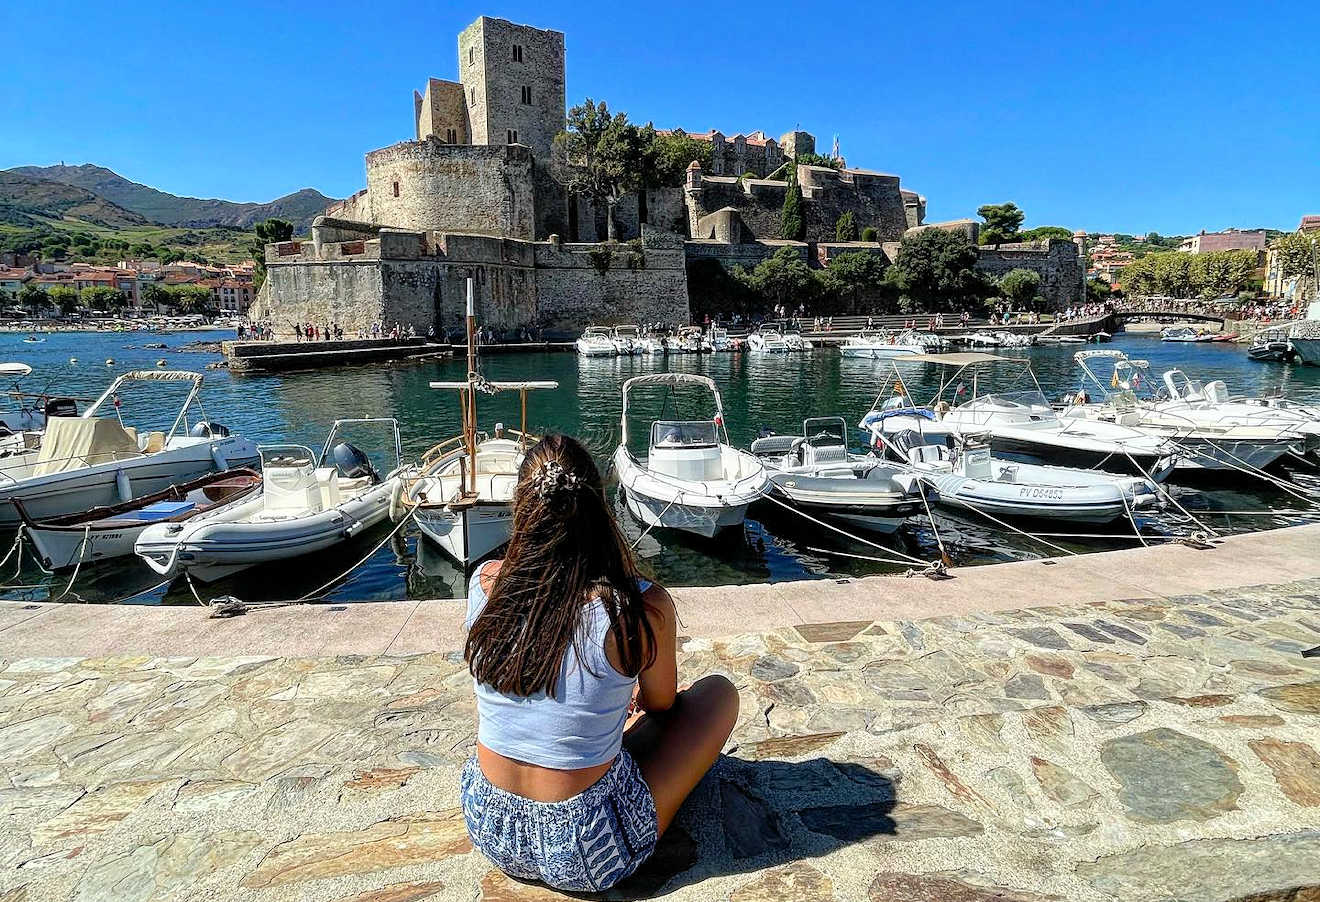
(470, 401)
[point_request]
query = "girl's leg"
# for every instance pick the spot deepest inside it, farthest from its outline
(675, 748)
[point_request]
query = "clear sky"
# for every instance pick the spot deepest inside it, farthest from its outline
(1109, 116)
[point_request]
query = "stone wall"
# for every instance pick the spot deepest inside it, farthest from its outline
(357, 208)
(440, 110)
(1055, 260)
(744, 255)
(573, 291)
(429, 185)
(498, 75)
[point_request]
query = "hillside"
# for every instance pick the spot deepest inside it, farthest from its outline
(25, 200)
(299, 207)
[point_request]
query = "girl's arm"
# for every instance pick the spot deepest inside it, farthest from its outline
(658, 683)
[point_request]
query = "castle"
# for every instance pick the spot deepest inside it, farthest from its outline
(473, 194)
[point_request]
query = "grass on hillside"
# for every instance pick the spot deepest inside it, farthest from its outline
(216, 245)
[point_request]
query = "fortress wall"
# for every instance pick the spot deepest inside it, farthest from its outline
(572, 292)
(441, 108)
(357, 208)
(1055, 260)
(447, 187)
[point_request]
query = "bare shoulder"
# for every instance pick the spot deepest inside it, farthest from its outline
(487, 572)
(659, 604)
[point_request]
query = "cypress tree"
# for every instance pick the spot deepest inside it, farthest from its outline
(791, 223)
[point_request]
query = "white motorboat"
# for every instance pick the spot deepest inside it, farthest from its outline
(719, 339)
(983, 340)
(970, 477)
(1021, 424)
(692, 340)
(880, 344)
(654, 345)
(1184, 334)
(109, 532)
(768, 339)
(816, 473)
(461, 492)
(1012, 340)
(692, 479)
(627, 340)
(1208, 437)
(94, 461)
(1271, 345)
(796, 342)
(597, 341)
(308, 502)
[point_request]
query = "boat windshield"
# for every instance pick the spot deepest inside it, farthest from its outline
(684, 434)
(826, 432)
(1014, 400)
(626, 331)
(596, 332)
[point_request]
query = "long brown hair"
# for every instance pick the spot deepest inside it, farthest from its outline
(566, 550)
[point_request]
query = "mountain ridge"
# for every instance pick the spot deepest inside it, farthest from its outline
(25, 199)
(299, 207)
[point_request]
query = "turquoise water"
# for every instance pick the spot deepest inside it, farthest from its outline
(775, 392)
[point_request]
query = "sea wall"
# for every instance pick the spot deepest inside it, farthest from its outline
(1055, 260)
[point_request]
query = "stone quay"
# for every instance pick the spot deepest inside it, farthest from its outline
(1134, 725)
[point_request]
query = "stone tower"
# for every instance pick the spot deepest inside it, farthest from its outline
(513, 78)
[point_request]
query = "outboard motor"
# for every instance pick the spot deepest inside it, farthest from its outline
(352, 463)
(61, 407)
(205, 429)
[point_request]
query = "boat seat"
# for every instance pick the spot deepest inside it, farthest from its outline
(290, 490)
(927, 454)
(155, 442)
(825, 454)
(327, 483)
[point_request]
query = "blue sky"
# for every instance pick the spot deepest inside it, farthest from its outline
(1118, 116)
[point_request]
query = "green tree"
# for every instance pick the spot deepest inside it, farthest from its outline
(155, 295)
(601, 156)
(64, 297)
(935, 272)
(715, 291)
(815, 159)
(1045, 233)
(1173, 274)
(792, 222)
(33, 298)
(870, 234)
(102, 297)
(845, 227)
(1002, 222)
(269, 231)
(1295, 254)
(1097, 291)
(1020, 287)
(855, 282)
(1221, 273)
(671, 154)
(189, 298)
(783, 279)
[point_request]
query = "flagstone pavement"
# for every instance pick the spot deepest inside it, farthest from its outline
(1156, 748)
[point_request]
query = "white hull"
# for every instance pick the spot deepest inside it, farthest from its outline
(699, 507)
(880, 352)
(235, 538)
(62, 548)
(703, 520)
(74, 491)
(467, 535)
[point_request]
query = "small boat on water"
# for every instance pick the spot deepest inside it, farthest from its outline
(816, 473)
(969, 476)
(796, 342)
(768, 339)
(97, 461)
(1271, 346)
(108, 532)
(880, 344)
(597, 341)
(692, 340)
(33, 340)
(692, 478)
(627, 340)
(308, 502)
(1185, 334)
(461, 491)
(719, 338)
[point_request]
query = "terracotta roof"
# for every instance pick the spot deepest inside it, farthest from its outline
(1309, 223)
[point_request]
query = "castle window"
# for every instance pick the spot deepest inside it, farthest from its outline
(473, 92)
(451, 136)
(396, 188)
(527, 94)
(513, 136)
(517, 53)
(472, 56)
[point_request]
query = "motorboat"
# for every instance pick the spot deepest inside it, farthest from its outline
(103, 533)
(308, 502)
(33, 340)
(967, 475)
(627, 340)
(878, 345)
(97, 461)
(816, 473)
(795, 341)
(1197, 422)
(1019, 425)
(1012, 339)
(653, 344)
(461, 491)
(1271, 346)
(597, 341)
(692, 479)
(983, 340)
(1185, 334)
(768, 339)
(692, 340)
(719, 339)
(20, 429)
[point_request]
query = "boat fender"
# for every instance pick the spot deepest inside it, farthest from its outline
(218, 458)
(123, 485)
(354, 528)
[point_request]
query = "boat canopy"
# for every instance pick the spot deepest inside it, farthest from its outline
(672, 380)
(959, 358)
(15, 369)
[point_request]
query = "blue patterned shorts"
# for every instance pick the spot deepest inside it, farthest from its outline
(586, 843)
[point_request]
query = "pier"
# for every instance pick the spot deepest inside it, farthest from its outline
(269, 356)
(1134, 725)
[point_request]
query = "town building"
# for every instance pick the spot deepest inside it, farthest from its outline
(1227, 240)
(11, 282)
(753, 153)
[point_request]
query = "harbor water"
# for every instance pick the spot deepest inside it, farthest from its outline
(760, 392)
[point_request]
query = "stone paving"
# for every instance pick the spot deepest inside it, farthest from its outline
(1156, 748)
